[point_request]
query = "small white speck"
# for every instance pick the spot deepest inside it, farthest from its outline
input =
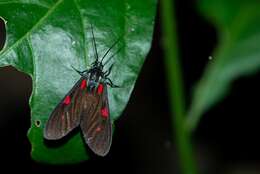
(167, 144)
(210, 57)
(132, 29)
(128, 6)
(89, 139)
(73, 43)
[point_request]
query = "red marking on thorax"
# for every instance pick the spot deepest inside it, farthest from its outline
(100, 89)
(67, 100)
(104, 113)
(83, 84)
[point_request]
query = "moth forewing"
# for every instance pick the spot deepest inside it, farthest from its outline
(66, 116)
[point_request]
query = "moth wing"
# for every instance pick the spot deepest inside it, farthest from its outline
(66, 116)
(96, 123)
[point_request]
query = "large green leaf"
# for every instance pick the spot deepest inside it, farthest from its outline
(46, 37)
(237, 54)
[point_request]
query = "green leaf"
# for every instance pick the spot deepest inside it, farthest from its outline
(46, 37)
(237, 54)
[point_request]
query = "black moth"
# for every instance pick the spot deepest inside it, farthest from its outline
(86, 105)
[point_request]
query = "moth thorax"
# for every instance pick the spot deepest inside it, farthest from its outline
(92, 85)
(95, 76)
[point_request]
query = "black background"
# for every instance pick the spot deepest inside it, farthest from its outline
(226, 139)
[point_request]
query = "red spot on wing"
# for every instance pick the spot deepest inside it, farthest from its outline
(100, 89)
(104, 113)
(83, 84)
(67, 100)
(62, 117)
(98, 129)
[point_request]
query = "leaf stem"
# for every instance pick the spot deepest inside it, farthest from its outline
(176, 89)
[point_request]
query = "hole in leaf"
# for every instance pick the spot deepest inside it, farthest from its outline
(2, 33)
(37, 123)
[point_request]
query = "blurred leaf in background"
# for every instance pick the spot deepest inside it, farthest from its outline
(45, 38)
(237, 54)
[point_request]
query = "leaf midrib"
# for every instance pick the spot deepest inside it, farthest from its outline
(32, 29)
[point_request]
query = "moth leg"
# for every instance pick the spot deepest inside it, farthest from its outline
(80, 72)
(108, 71)
(111, 84)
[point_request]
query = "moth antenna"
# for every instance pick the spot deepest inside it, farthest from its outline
(110, 58)
(114, 44)
(94, 43)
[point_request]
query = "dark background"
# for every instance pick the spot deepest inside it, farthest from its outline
(226, 140)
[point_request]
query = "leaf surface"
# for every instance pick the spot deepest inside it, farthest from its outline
(46, 37)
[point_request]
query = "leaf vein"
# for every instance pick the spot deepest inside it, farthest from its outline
(17, 2)
(32, 29)
(83, 30)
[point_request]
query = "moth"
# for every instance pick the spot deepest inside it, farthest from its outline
(86, 105)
